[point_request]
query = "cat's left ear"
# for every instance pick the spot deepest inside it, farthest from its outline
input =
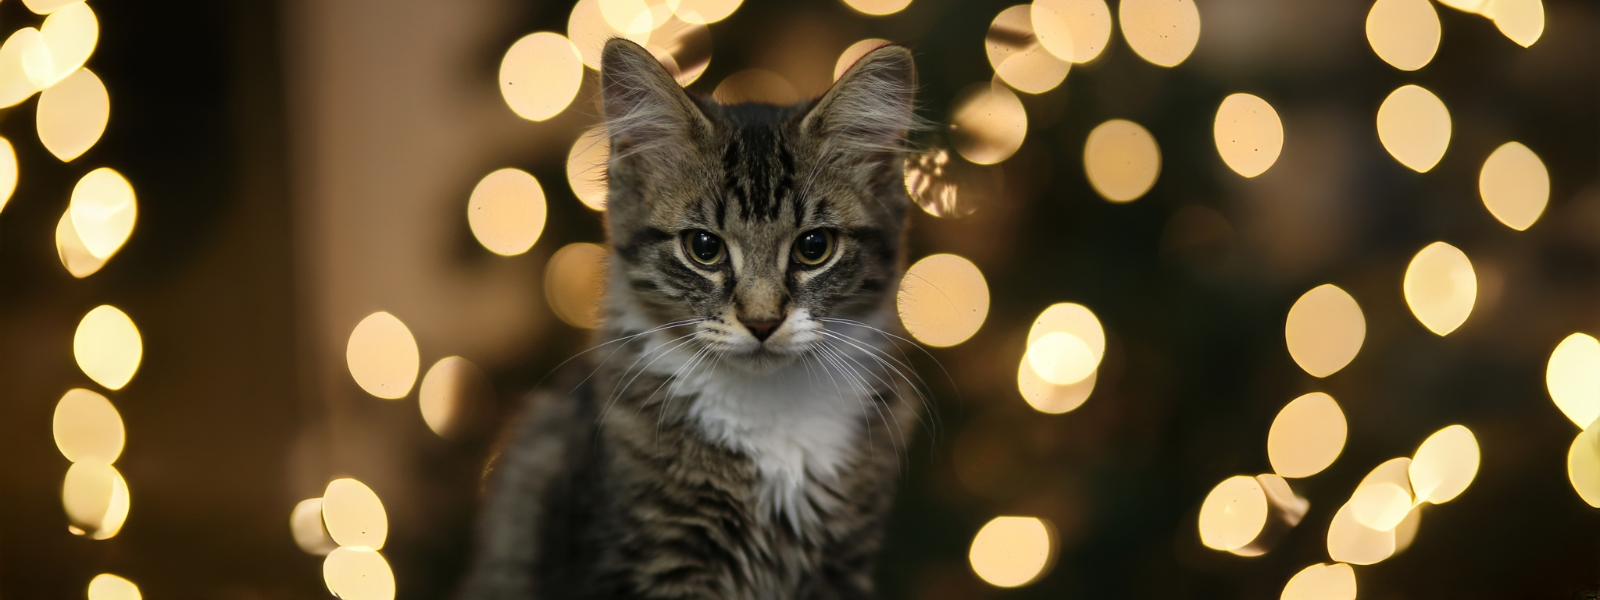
(649, 116)
(871, 109)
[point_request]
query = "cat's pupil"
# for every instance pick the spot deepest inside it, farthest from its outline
(705, 247)
(813, 246)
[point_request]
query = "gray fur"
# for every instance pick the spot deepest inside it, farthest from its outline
(692, 459)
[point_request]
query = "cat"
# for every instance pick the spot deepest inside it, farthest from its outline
(741, 435)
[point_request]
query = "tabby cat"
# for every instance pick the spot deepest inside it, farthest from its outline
(740, 435)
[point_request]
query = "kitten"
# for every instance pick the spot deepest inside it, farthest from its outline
(740, 437)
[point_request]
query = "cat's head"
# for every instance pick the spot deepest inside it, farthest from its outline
(759, 221)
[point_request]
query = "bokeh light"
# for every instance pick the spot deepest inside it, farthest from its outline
(624, 15)
(1583, 465)
(1573, 378)
(588, 31)
(1322, 582)
(1471, 6)
(104, 210)
(355, 573)
(106, 586)
(1522, 21)
(455, 395)
(1061, 358)
(73, 114)
(1122, 160)
(70, 249)
(946, 185)
(306, 525)
(507, 211)
(87, 427)
(1406, 531)
(1162, 32)
(107, 346)
(1307, 435)
(707, 11)
(1050, 398)
(683, 46)
(540, 75)
(1514, 185)
(1249, 134)
(1414, 126)
(1324, 330)
(96, 499)
(1351, 542)
(69, 36)
(878, 8)
(854, 53)
(987, 123)
(1017, 56)
(1404, 33)
(1381, 506)
(1073, 30)
(45, 7)
(1441, 287)
(8, 172)
(354, 515)
(1074, 319)
(1013, 551)
(574, 281)
(1233, 514)
(382, 356)
(15, 84)
(756, 85)
(943, 300)
(1444, 465)
(586, 167)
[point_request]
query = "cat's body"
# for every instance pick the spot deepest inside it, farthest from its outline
(740, 435)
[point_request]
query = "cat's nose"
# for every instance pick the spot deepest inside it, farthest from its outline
(762, 329)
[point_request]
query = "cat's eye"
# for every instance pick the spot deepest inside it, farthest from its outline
(704, 247)
(814, 247)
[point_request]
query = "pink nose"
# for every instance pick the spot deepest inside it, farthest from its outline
(762, 329)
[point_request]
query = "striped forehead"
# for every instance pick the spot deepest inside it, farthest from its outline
(758, 167)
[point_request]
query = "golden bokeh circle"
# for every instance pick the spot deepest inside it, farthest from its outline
(1121, 160)
(1324, 330)
(1011, 552)
(507, 211)
(1248, 133)
(943, 300)
(1016, 55)
(108, 346)
(1440, 287)
(1307, 435)
(1414, 126)
(574, 283)
(540, 75)
(1163, 32)
(987, 123)
(1514, 185)
(1404, 33)
(382, 356)
(354, 515)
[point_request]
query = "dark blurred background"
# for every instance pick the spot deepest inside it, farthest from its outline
(304, 163)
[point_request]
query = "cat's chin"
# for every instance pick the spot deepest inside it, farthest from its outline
(761, 359)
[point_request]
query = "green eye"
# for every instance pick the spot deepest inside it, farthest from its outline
(704, 247)
(814, 247)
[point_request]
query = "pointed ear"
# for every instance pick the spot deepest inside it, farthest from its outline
(646, 110)
(871, 109)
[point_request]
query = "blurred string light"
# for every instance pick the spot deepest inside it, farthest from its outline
(946, 185)
(1163, 32)
(382, 356)
(1249, 134)
(455, 396)
(1012, 552)
(540, 75)
(106, 586)
(1065, 346)
(1444, 465)
(1514, 185)
(103, 210)
(943, 300)
(1307, 436)
(70, 249)
(72, 114)
(1017, 56)
(1404, 33)
(1414, 126)
(1073, 30)
(1122, 160)
(1522, 21)
(1050, 398)
(1322, 582)
(1324, 330)
(8, 172)
(354, 515)
(506, 211)
(1233, 513)
(987, 123)
(96, 499)
(683, 45)
(878, 8)
(358, 573)
(586, 167)
(15, 85)
(45, 7)
(68, 39)
(309, 530)
(854, 53)
(353, 519)
(1583, 465)
(574, 281)
(755, 85)
(107, 346)
(1384, 512)
(1573, 378)
(87, 427)
(588, 31)
(707, 11)
(1440, 287)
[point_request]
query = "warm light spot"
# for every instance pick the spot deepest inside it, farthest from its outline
(108, 347)
(72, 115)
(1072, 318)
(854, 53)
(305, 523)
(45, 7)
(1017, 56)
(1515, 185)
(588, 31)
(1440, 287)
(70, 249)
(1073, 30)
(1583, 465)
(353, 514)
(1380, 506)
(1233, 514)
(1522, 21)
(455, 395)
(15, 84)
(625, 15)
(949, 186)
(1324, 330)
(987, 123)
(1471, 6)
(586, 167)
(103, 210)
(1249, 134)
(1307, 435)
(358, 574)
(707, 11)
(1122, 160)
(756, 85)
(382, 356)
(87, 427)
(878, 8)
(943, 300)
(1163, 32)
(8, 171)
(507, 211)
(69, 35)
(574, 281)
(1406, 531)
(96, 499)
(1404, 33)
(1573, 378)
(1061, 358)
(1050, 398)
(1350, 541)
(683, 46)
(106, 586)
(1322, 582)
(1013, 551)
(1414, 127)
(540, 75)
(1444, 465)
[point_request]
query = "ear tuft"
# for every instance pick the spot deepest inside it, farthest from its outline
(871, 109)
(644, 106)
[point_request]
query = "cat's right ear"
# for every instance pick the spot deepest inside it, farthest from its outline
(648, 115)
